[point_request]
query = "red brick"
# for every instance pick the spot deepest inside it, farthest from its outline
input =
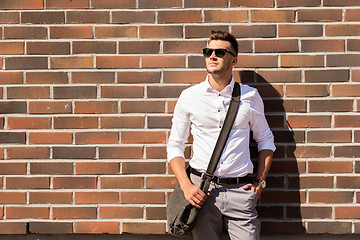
(143, 168)
(311, 182)
(43, 17)
(28, 153)
(341, 105)
(96, 107)
(144, 228)
(99, 47)
(27, 183)
(97, 168)
(74, 212)
(74, 182)
(122, 183)
(139, 47)
(74, 152)
(9, 17)
(142, 106)
(122, 122)
(159, 122)
(160, 182)
(93, 77)
(27, 32)
(113, 4)
(13, 137)
(284, 45)
(298, 3)
(327, 75)
(126, 17)
(142, 197)
(353, 45)
(142, 137)
(253, 31)
(307, 90)
(116, 32)
(347, 121)
(12, 168)
(342, 30)
(323, 46)
(264, 61)
(97, 198)
(88, 17)
(75, 92)
(317, 15)
(157, 152)
(184, 16)
(24, 63)
(120, 152)
(50, 198)
(155, 213)
(12, 198)
(117, 62)
(51, 227)
(347, 182)
(183, 46)
(48, 48)
(71, 62)
(347, 151)
(13, 227)
(121, 212)
(312, 151)
(302, 60)
(309, 212)
(11, 78)
(20, 4)
(254, 3)
(346, 212)
(299, 30)
(28, 92)
(138, 77)
(309, 121)
(163, 61)
(184, 76)
(161, 31)
(272, 15)
(46, 78)
(352, 15)
(331, 196)
(29, 122)
(122, 92)
(75, 122)
(96, 137)
(67, 4)
(280, 197)
(347, 60)
(346, 90)
(50, 107)
(7, 48)
(193, 31)
(51, 168)
(94, 227)
(330, 167)
(71, 32)
(159, 4)
(27, 212)
(341, 3)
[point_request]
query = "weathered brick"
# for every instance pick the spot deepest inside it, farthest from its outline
(96, 107)
(50, 198)
(9, 17)
(142, 137)
(193, 31)
(51, 227)
(347, 121)
(139, 47)
(184, 76)
(29, 122)
(124, 17)
(115, 32)
(12, 168)
(71, 62)
(67, 4)
(253, 31)
(322, 45)
(143, 106)
(285, 45)
(209, 3)
(117, 62)
(341, 105)
(272, 15)
(46, 78)
(88, 17)
(163, 61)
(348, 90)
(265, 61)
(138, 77)
(342, 30)
(315, 121)
(96, 168)
(93, 77)
(347, 151)
(341, 3)
(352, 15)
(330, 167)
(161, 31)
(143, 168)
(96, 137)
(48, 48)
(299, 30)
(51, 168)
(302, 61)
(159, 4)
(74, 182)
(155, 213)
(120, 152)
(43, 17)
(74, 212)
(308, 182)
(311, 151)
(9, 48)
(254, 3)
(328, 75)
(353, 45)
(187, 16)
(343, 60)
(113, 4)
(309, 212)
(298, 3)
(27, 183)
(142, 197)
(122, 122)
(74, 153)
(50, 107)
(19, 4)
(18, 227)
(331, 196)
(14, 63)
(16, 32)
(317, 15)
(121, 212)
(122, 92)
(144, 228)
(13, 137)
(307, 90)
(75, 122)
(75, 92)
(97, 227)
(161, 182)
(28, 92)
(28, 153)
(97, 197)
(159, 122)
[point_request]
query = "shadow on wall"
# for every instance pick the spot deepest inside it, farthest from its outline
(279, 206)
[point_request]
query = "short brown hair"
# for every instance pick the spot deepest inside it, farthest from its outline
(225, 36)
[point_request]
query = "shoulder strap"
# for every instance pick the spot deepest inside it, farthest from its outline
(225, 131)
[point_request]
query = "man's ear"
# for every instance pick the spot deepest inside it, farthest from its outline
(235, 60)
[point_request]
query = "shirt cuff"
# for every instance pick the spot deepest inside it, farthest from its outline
(266, 145)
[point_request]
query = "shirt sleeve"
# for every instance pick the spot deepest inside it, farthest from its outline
(258, 124)
(180, 131)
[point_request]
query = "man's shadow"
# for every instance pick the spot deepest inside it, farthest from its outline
(279, 205)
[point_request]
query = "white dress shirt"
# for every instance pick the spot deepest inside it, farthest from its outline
(202, 110)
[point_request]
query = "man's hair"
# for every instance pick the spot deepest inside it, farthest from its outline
(225, 36)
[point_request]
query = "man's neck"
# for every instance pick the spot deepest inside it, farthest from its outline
(219, 82)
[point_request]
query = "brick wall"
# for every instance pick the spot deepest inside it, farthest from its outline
(87, 93)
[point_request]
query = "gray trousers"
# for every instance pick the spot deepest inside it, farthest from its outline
(230, 207)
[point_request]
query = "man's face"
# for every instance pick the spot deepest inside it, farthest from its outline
(217, 65)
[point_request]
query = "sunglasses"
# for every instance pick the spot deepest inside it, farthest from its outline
(219, 52)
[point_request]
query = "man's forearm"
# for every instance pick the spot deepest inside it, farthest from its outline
(178, 167)
(264, 163)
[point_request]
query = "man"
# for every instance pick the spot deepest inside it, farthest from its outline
(201, 109)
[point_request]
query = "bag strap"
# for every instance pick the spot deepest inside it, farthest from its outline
(224, 134)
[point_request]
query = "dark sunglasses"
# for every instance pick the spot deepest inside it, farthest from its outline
(219, 52)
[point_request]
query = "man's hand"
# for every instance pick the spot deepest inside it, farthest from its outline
(256, 188)
(194, 195)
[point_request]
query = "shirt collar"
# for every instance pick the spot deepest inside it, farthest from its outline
(227, 91)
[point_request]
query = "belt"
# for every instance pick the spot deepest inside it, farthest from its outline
(220, 180)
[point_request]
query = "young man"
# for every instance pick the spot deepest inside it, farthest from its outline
(201, 110)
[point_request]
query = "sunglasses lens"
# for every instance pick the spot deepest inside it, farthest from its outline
(220, 53)
(207, 52)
